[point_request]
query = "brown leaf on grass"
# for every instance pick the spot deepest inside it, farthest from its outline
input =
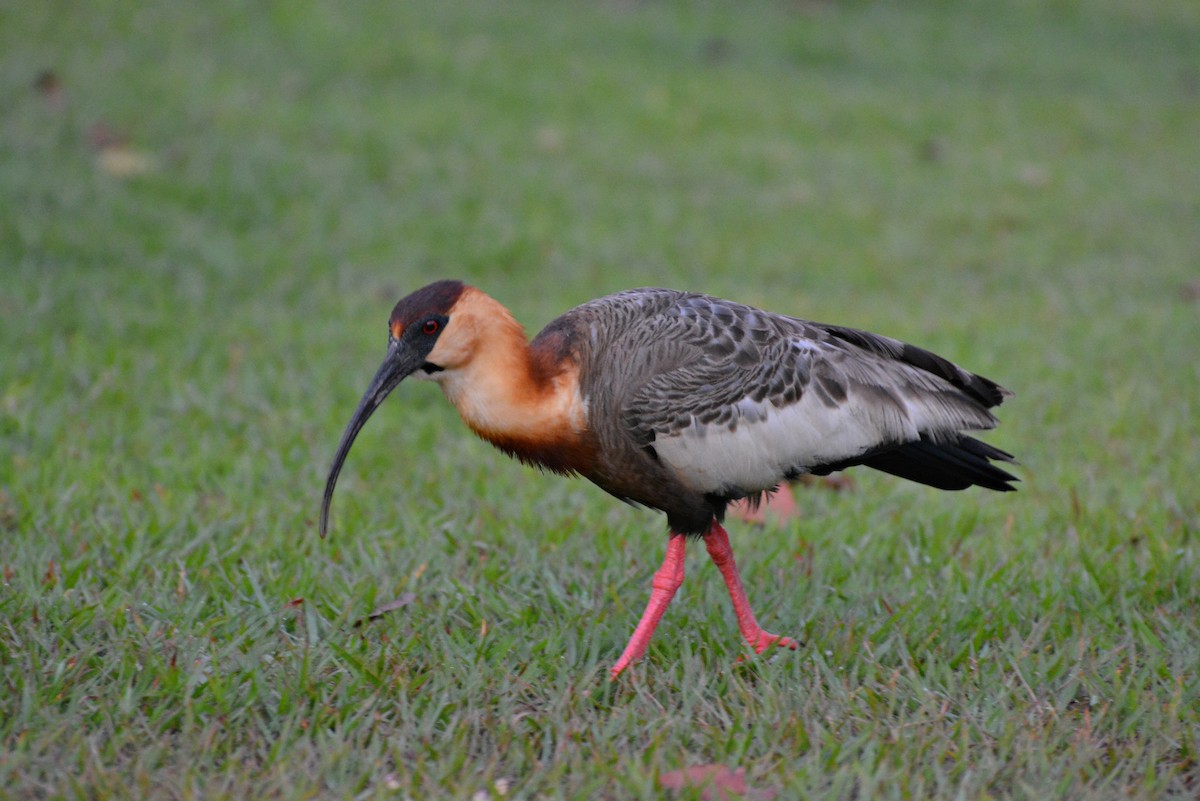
(123, 163)
(114, 156)
(717, 783)
(47, 82)
(50, 87)
(391, 606)
(102, 136)
(1190, 290)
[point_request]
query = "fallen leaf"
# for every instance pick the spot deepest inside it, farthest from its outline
(1190, 290)
(718, 783)
(47, 82)
(102, 136)
(114, 156)
(50, 87)
(391, 606)
(123, 163)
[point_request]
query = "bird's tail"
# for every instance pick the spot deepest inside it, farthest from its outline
(949, 464)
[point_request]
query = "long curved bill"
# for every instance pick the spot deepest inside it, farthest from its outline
(399, 363)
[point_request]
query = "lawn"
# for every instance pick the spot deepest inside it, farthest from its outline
(208, 210)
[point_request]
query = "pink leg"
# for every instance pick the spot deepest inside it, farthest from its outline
(722, 555)
(666, 582)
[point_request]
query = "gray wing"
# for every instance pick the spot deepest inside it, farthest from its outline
(732, 399)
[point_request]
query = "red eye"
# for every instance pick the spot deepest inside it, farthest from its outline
(430, 327)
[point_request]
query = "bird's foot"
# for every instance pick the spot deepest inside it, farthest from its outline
(766, 639)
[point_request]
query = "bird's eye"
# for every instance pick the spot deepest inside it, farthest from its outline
(430, 327)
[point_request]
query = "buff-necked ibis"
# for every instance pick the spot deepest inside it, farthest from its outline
(685, 403)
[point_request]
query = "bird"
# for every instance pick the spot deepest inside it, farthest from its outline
(685, 403)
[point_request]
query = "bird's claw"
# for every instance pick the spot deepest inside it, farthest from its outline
(765, 639)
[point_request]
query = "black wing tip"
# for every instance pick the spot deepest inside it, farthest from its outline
(954, 465)
(994, 394)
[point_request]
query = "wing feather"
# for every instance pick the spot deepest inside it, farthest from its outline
(728, 399)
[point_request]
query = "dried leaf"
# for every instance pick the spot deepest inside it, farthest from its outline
(47, 82)
(718, 783)
(391, 606)
(120, 162)
(50, 87)
(102, 136)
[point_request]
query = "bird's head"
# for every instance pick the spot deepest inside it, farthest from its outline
(425, 337)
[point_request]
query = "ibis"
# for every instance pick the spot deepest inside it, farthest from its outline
(685, 403)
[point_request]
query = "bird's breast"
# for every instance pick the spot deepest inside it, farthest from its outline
(544, 424)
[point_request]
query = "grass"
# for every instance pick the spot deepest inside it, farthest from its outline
(185, 333)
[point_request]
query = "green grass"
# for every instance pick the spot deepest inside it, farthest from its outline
(1015, 185)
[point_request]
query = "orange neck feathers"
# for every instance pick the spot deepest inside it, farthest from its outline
(524, 401)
